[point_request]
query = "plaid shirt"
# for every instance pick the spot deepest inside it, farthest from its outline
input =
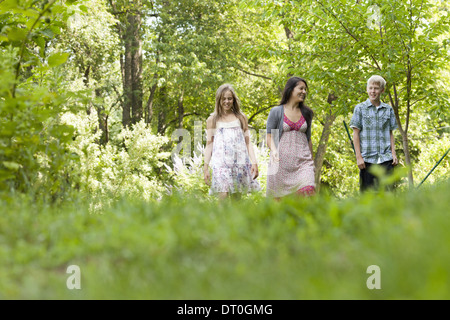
(375, 125)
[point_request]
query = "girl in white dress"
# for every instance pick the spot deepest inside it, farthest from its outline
(229, 152)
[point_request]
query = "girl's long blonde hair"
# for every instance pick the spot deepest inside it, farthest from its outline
(218, 110)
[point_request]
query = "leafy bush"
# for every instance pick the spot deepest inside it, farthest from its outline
(33, 141)
(129, 165)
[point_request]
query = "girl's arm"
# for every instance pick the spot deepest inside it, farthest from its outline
(251, 151)
(208, 150)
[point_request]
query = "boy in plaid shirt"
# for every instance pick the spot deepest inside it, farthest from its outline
(373, 122)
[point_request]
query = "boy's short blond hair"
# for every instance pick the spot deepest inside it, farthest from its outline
(378, 80)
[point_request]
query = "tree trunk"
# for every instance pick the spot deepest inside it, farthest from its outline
(180, 111)
(149, 106)
(405, 141)
(394, 99)
(180, 115)
(102, 120)
(132, 83)
(127, 83)
(323, 143)
(136, 69)
(86, 83)
(162, 112)
(322, 147)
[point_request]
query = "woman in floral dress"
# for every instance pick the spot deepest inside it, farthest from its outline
(291, 167)
(229, 152)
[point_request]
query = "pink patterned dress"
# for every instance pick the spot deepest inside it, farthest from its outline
(230, 162)
(295, 170)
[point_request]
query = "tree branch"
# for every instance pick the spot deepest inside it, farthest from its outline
(260, 111)
(253, 74)
(188, 114)
(325, 9)
(418, 100)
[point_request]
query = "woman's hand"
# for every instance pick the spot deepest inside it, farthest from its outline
(254, 171)
(274, 156)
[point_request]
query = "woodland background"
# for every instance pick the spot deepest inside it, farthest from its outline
(93, 94)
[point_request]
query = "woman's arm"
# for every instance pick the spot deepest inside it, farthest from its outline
(272, 147)
(270, 138)
(208, 150)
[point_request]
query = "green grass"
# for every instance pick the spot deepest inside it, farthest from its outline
(191, 248)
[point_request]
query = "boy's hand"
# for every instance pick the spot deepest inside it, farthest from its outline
(394, 159)
(360, 162)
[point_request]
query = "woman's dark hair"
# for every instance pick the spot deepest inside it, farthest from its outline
(287, 92)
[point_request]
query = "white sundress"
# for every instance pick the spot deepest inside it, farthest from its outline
(230, 162)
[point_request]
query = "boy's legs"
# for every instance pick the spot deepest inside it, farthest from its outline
(368, 180)
(389, 169)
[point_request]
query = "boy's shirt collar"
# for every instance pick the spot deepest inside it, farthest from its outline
(368, 103)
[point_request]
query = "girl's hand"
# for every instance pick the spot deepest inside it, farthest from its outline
(207, 176)
(254, 171)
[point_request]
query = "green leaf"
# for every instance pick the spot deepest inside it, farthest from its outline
(17, 34)
(11, 165)
(83, 8)
(48, 33)
(9, 5)
(57, 59)
(41, 43)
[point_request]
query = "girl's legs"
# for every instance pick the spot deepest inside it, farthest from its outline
(222, 195)
(233, 196)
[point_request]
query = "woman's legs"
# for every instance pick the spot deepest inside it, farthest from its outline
(306, 191)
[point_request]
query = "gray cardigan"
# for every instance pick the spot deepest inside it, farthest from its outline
(275, 123)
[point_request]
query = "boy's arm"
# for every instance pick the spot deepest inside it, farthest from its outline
(357, 124)
(394, 154)
(357, 145)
